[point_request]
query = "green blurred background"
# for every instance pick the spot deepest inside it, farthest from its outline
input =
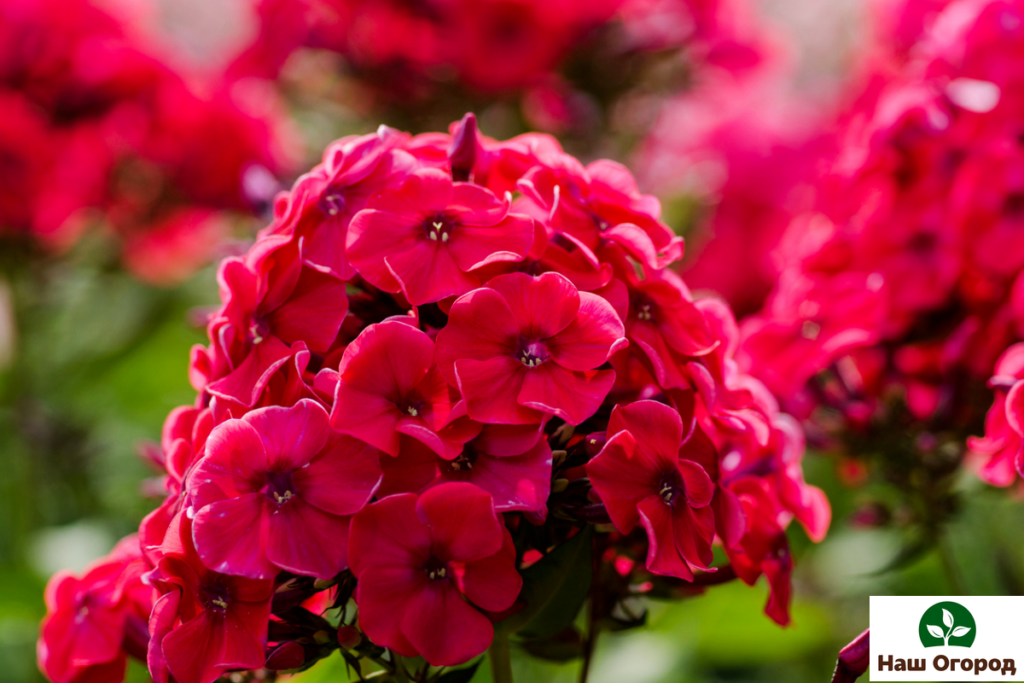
(93, 361)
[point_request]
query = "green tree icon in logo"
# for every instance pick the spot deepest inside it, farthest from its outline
(945, 624)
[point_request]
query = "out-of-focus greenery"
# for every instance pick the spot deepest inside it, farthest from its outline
(100, 359)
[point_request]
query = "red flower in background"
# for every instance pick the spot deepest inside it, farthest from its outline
(522, 347)
(426, 565)
(93, 620)
(274, 491)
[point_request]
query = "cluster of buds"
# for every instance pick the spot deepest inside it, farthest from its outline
(100, 133)
(452, 379)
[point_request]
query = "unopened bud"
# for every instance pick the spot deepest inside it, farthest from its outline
(349, 637)
(462, 150)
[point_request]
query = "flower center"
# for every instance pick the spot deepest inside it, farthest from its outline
(215, 598)
(333, 201)
(258, 329)
(411, 406)
(439, 228)
(465, 460)
(280, 487)
(436, 570)
(531, 353)
(672, 488)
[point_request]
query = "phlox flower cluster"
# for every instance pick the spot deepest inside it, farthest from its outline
(99, 132)
(901, 289)
(446, 358)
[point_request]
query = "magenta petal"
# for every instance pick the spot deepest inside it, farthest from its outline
(493, 583)
(161, 621)
(235, 464)
(385, 534)
(313, 313)
(623, 475)
(508, 440)
(659, 426)
(230, 537)
(306, 540)
(194, 649)
(366, 416)
(694, 529)
(587, 341)
(390, 359)
(415, 468)
(491, 390)
(428, 273)
(291, 436)
(473, 247)
(730, 520)
(635, 241)
(246, 382)
(480, 326)
(374, 235)
(573, 396)
(342, 478)
(384, 595)
(662, 555)
(696, 482)
(443, 627)
(463, 524)
(542, 306)
(521, 482)
(476, 205)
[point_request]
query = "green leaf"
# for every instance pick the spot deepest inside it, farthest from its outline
(464, 675)
(554, 589)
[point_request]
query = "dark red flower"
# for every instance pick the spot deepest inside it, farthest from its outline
(389, 385)
(644, 475)
(426, 565)
(428, 238)
(274, 491)
(205, 623)
(524, 347)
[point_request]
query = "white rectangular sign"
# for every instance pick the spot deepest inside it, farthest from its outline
(947, 639)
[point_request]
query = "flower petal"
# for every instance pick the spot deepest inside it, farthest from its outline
(662, 555)
(542, 306)
(230, 537)
(463, 524)
(291, 436)
(573, 396)
(623, 475)
(306, 540)
(342, 478)
(491, 389)
(588, 340)
(443, 627)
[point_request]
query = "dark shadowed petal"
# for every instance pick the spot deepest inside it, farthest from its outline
(443, 627)
(662, 555)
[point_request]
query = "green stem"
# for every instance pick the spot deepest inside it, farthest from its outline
(501, 658)
(949, 565)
